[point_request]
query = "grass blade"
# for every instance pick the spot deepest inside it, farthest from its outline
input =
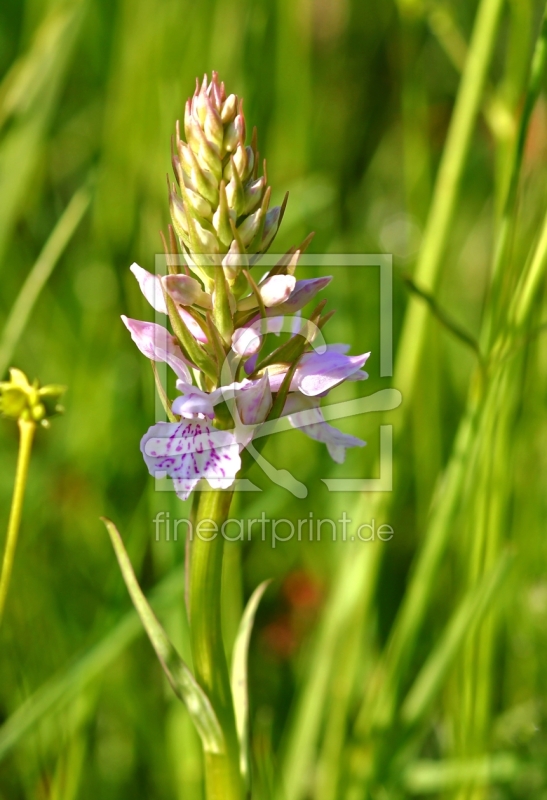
(465, 618)
(431, 777)
(239, 676)
(49, 56)
(40, 273)
(64, 688)
(178, 674)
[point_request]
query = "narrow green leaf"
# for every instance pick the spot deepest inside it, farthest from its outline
(239, 677)
(178, 674)
(444, 317)
(470, 611)
(40, 273)
(44, 66)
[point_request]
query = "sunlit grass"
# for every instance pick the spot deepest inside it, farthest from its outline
(399, 679)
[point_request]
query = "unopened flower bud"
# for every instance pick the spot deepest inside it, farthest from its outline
(271, 226)
(20, 399)
(187, 291)
(229, 109)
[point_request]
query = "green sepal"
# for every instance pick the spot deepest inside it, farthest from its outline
(224, 228)
(212, 125)
(256, 292)
(240, 246)
(178, 674)
(49, 397)
(211, 160)
(239, 287)
(237, 201)
(254, 194)
(279, 403)
(170, 257)
(203, 179)
(13, 401)
(179, 216)
(216, 341)
(189, 346)
(254, 244)
(205, 244)
(222, 314)
(269, 232)
(19, 399)
(292, 350)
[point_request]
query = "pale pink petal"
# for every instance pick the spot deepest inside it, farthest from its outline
(304, 291)
(277, 289)
(246, 341)
(192, 326)
(152, 290)
(196, 403)
(187, 291)
(150, 287)
(319, 372)
(338, 348)
(155, 342)
(305, 415)
(254, 401)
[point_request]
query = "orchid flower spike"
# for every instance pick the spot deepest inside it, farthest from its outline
(229, 377)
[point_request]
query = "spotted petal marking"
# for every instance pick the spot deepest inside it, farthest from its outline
(191, 450)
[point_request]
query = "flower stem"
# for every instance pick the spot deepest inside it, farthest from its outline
(26, 431)
(222, 774)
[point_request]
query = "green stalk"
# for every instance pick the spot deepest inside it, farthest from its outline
(495, 308)
(26, 431)
(222, 776)
(360, 566)
(439, 222)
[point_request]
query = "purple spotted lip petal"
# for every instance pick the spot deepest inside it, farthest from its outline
(189, 451)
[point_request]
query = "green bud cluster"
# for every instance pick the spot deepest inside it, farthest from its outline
(222, 212)
(222, 223)
(22, 400)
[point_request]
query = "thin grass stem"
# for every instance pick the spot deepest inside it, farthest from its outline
(26, 437)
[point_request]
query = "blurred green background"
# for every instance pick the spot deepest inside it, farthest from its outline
(352, 100)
